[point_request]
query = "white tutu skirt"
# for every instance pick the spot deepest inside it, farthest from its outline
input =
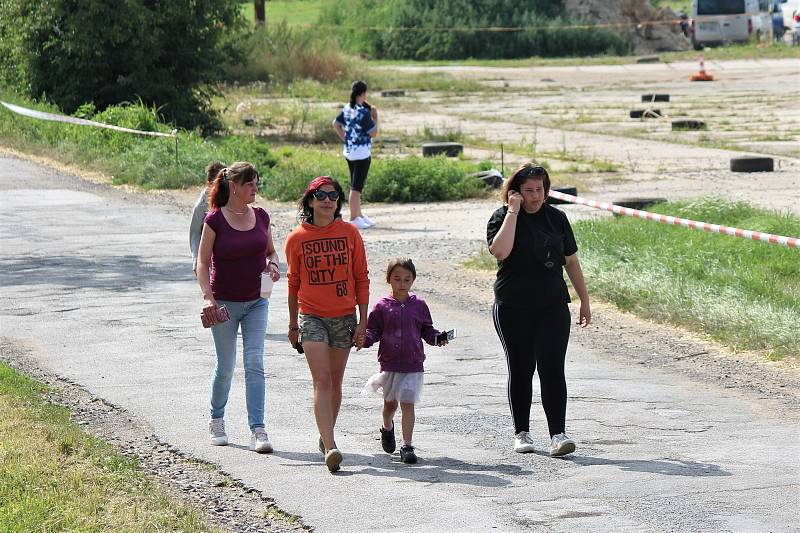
(405, 387)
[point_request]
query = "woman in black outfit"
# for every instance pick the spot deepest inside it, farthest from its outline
(532, 241)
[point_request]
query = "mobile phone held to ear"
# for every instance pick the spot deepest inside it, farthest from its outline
(446, 336)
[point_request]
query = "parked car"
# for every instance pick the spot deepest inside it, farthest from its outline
(796, 27)
(716, 22)
(788, 10)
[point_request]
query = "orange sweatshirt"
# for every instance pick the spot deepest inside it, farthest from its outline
(327, 268)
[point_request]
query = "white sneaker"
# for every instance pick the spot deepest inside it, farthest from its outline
(259, 441)
(523, 443)
(216, 431)
(561, 445)
(360, 223)
(368, 220)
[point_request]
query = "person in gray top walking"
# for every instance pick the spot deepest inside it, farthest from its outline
(199, 212)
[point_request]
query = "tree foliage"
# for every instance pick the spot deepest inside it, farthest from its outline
(441, 29)
(162, 52)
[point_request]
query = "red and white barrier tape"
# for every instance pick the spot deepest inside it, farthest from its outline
(791, 242)
(80, 121)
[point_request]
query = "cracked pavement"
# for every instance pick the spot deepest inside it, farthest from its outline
(97, 283)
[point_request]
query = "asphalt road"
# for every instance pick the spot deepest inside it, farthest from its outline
(98, 282)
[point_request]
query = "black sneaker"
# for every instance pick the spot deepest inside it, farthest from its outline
(407, 455)
(388, 442)
(321, 446)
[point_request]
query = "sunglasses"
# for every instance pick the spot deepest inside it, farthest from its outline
(320, 195)
(532, 171)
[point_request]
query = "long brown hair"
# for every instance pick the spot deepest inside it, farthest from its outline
(525, 172)
(240, 172)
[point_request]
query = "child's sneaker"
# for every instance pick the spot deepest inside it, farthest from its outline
(216, 432)
(388, 442)
(259, 441)
(561, 445)
(523, 443)
(333, 459)
(407, 454)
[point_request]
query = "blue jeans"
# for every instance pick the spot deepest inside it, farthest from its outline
(252, 316)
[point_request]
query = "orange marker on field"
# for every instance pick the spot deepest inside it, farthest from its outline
(702, 75)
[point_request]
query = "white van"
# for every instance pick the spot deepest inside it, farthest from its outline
(730, 21)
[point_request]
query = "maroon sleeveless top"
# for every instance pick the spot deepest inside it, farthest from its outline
(238, 257)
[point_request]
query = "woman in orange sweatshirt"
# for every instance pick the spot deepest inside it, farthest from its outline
(328, 278)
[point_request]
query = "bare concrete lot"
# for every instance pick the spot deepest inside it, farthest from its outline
(750, 109)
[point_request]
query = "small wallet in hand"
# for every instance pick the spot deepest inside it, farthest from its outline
(222, 316)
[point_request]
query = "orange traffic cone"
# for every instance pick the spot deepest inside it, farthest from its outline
(702, 75)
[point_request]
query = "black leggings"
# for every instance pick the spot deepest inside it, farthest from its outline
(358, 173)
(531, 339)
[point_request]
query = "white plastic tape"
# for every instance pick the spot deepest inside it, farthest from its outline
(80, 121)
(791, 242)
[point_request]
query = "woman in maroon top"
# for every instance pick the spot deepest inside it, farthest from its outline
(235, 248)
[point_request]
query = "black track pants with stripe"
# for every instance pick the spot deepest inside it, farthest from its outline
(531, 340)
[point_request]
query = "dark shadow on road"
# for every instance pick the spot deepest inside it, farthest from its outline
(433, 470)
(667, 467)
(114, 273)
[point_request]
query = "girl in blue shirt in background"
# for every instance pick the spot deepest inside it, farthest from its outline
(400, 322)
(356, 125)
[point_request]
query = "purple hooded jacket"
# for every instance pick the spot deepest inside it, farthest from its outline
(400, 328)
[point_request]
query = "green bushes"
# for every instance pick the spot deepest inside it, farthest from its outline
(422, 37)
(150, 162)
(280, 54)
(417, 179)
(145, 161)
(413, 179)
(166, 53)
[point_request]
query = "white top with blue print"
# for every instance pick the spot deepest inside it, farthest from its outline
(357, 123)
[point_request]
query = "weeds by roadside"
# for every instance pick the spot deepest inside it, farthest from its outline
(412, 179)
(54, 477)
(742, 293)
(151, 162)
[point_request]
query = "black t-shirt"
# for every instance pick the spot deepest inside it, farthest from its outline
(542, 238)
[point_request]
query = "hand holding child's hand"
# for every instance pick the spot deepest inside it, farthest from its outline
(360, 336)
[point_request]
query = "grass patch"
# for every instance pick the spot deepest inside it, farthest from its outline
(275, 513)
(443, 134)
(483, 260)
(732, 51)
(292, 12)
(150, 162)
(411, 179)
(742, 293)
(54, 477)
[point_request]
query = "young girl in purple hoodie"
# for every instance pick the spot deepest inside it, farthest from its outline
(400, 322)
